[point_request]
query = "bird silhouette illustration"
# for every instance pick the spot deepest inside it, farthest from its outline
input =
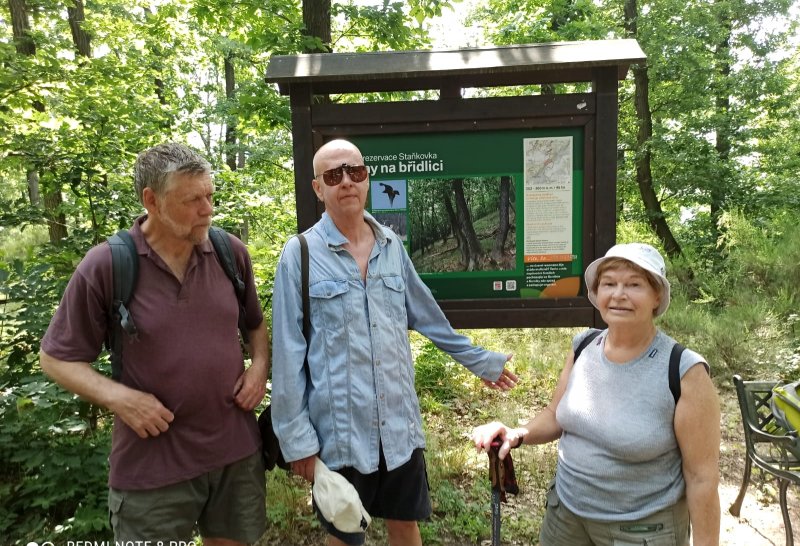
(390, 191)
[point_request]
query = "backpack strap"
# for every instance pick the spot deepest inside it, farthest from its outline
(222, 246)
(675, 371)
(305, 294)
(674, 362)
(304, 278)
(585, 343)
(125, 272)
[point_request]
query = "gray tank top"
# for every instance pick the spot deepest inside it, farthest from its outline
(618, 458)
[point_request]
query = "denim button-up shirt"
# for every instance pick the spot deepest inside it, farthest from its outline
(359, 393)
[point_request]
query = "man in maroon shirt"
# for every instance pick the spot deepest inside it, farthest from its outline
(185, 447)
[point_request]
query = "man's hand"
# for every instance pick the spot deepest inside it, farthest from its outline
(507, 380)
(250, 388)
(304, 467)
(143, 412)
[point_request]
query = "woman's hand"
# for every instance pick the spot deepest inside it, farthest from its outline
(483, 436)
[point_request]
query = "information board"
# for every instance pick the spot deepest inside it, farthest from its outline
(484, 214)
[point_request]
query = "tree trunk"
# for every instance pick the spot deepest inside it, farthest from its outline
(722, 56)
(157, 54)
(465, 226)
(21, 28)
(33, 188)
(317, 19)
(453, 219)
(80, 37)
(560, 15)
(230, 130)
(56, 221)
(24, 45)
(644, 175)
(504, 224)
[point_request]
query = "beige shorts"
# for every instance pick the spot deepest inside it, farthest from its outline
(561, 527)
(229, 502)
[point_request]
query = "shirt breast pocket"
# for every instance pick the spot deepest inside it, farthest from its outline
(328, 309)
(395, 294)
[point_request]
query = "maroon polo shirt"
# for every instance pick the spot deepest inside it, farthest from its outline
(187, 355)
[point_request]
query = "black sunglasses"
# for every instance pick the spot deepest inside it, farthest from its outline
(333, 177)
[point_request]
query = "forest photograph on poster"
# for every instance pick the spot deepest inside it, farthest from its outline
(462, 224)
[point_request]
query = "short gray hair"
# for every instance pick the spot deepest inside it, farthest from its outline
(154, 167)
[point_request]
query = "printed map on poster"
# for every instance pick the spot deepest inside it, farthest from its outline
(548, 199)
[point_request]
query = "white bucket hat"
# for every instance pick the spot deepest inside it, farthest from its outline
(338, 503)
(643, 255)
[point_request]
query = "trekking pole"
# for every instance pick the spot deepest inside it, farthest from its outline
(496, 478)
(503, 480)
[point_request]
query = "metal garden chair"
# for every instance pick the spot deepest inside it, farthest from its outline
(767, 445)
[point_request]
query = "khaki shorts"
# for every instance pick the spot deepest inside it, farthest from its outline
(561, 527)
(225, 503)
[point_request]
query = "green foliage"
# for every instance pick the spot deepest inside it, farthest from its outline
(387, 26)
(534, 21)
(288, 507)
(53, 477)
(745, 319)
(711, 67)
(464, 511)
(54, 448)
(32, 289)
(747, 316)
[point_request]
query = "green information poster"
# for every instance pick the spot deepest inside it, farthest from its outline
(484, 214)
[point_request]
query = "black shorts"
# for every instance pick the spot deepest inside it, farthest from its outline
(401, 494)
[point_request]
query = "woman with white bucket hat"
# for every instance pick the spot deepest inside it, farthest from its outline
(637, 419)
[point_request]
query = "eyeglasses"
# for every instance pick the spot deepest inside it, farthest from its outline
(333, 177)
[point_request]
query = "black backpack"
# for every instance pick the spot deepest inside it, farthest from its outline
(674, 362)
(125, 272)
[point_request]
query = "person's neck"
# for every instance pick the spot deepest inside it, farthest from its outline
(629, 341)
(170, 248)
(354, 228)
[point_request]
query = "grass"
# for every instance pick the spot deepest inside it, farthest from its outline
(453, 402)
(458, 475)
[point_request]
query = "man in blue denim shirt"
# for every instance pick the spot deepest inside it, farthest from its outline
(358, 410)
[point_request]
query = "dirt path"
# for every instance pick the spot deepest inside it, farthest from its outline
(760, 523)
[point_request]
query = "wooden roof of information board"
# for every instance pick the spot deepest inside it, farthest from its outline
(480, 67)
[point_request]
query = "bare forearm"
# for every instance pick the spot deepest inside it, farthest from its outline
(259, 347)
(141, 411)
(543, 428)
(81, 379)
(697, 429)
(704, 512)
(251, 386)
